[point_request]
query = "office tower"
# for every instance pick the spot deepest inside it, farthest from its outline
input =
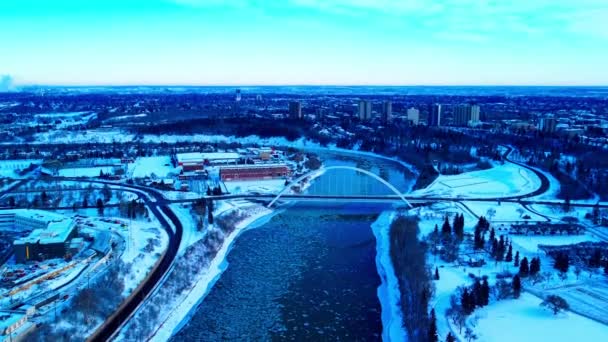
(462, 115)
(387, 111)
(238, 95)
(258, 99)
(435, 115)
(548, 124)
(413, 115)
(365, 110)
(295, 110)
(475, 110)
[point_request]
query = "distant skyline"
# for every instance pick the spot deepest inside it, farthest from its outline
(303, 42)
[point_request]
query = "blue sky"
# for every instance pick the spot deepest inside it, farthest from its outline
(199, 42)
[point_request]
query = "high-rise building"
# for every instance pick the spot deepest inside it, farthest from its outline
(295, 110)
(413, 115)
(475, 112)
(435, 115)
(365, 110)
(387, 111)
(238, 95)
(465, 114)
(548, 124)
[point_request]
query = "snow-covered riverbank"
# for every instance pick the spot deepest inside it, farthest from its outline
(388, 291)
(186, 305)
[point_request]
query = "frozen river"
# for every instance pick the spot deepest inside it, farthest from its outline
(307, 273)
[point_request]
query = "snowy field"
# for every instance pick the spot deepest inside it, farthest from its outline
(270, 186)
(504, 180)
(524, 320)
(530, 243)
(506, 212)
(154, 167)
(85, 171)
(8, 168)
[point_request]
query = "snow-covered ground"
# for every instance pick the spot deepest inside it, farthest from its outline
(155, 167)
(85, 171)
(8, 168)
(524, 320)
(270, 186)
(388, 291)
(506, 212)
(504, 180)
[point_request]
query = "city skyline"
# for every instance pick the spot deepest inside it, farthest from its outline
(303, 42)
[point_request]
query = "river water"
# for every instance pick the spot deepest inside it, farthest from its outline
(306, 273)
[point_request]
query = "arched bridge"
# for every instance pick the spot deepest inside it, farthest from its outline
(316, 173)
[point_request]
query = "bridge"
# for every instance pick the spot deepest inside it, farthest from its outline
(317, 173)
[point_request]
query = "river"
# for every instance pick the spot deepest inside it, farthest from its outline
(306, 273)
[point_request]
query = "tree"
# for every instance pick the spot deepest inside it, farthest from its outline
(107, 193)
(478, 240)
(469, 334)
(562, 262)
(450, 338)
(432, 333)
(85, 203)
(100, 207)
(485, 292)
(555, 303)
(467, 301)
(567, 204)
(459, 225)
(516, 286)
(524, 268)
(11, 201)
(516, 259)
(534, 266)
(436, 273)
(492, 236)
(596, 258)
(446, 230)
(509, 256)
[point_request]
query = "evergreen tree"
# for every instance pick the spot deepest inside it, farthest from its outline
(509, 256)
(534, 266)
(596, 259)
(516, 260)
(516, 286)
(446, 230)
(467, 302)
(100, 207)
(450, 338)
(432, 335)
(524, 268)
(85, 203)
(436, 230)
(477, 294)
(494, 248)
(562, 262)
(485, 292)
(436, 273)
(478, 238)
(492, 235)
(606, 267)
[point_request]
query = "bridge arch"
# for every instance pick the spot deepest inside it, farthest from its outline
(316, 173)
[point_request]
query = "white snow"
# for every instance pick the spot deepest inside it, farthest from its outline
(524, 320)
(504, 180)
(8, 168)
(269, 186)
(85, 171)
(388, 291)
(157, 166)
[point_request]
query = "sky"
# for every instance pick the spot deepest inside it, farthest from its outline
(304, 42)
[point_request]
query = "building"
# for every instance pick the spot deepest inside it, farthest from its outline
(238, 95)
(435, 115)
(548, 124)
(254, 172)
(10, 322)
(365, 110)
(466, 114)
(387, 111)
(197, 161)
(49, 235)
(295, 110)
(413, 115)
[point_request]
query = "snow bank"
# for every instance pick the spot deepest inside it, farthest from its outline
(183, 311)
(388, 291)
(504, 180)
(524, 320)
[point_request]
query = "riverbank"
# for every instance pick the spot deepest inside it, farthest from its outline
(183, 307)
(388, 291)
